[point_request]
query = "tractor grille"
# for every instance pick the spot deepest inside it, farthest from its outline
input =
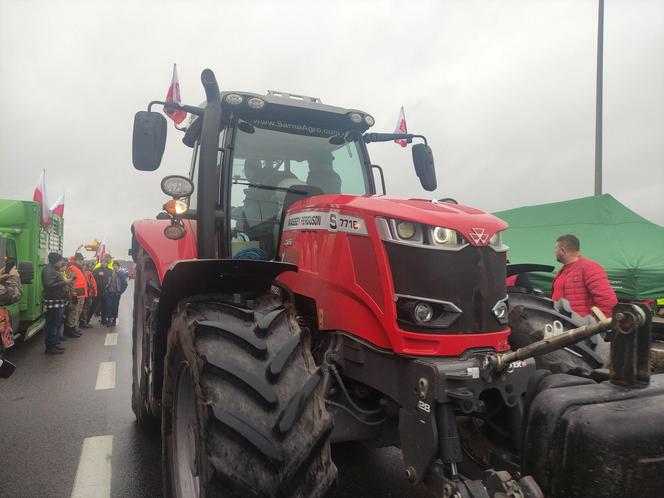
(472, 279)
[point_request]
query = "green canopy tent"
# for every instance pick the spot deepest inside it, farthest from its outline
(629, 247)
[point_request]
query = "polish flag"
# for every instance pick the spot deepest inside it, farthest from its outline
(58, 206)
(101, 251)
(401, 127)
(173, 95)
(40, 197)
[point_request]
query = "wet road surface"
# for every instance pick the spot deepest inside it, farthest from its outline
(67, 429)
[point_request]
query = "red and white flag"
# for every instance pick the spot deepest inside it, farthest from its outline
(173, 95)
(401, 127)
(40, 197)
(101, 251)
(58, 206)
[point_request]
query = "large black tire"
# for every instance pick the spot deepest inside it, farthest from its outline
(146, 289)
(529, 314)
(243, 414)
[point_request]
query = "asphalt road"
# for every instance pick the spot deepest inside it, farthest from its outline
(67, 429)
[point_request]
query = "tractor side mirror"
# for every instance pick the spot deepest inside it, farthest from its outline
(424, 167)
(26, 271)
(149, 140)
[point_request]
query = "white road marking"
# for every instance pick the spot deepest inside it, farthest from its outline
(93, 476)
(106, 375)
(111, 339)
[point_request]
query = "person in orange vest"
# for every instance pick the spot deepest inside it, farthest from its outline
(78, 295)
(88, 307)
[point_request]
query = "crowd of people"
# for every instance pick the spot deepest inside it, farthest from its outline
(74, 292)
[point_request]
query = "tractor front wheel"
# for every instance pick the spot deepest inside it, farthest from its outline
(243, 413)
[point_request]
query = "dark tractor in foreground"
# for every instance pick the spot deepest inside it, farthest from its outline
(281, 306)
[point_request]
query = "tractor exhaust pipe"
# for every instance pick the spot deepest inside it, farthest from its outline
(626, 320)
(208, 182)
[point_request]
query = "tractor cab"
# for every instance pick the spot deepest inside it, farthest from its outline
(254, 155)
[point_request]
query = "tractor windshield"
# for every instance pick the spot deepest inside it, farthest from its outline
(270, 157)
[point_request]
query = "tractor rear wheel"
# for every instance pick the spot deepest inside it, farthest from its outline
(243, 413)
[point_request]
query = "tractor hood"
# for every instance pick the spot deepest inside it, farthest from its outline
(467, 220)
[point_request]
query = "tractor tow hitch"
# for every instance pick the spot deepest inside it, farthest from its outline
(625, 320)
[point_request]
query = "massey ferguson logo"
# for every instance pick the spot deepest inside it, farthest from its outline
(479, 236)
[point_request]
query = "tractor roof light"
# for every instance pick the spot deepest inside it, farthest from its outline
(355, 117)
(175, 207)
(369, 120)
(256, 103)
(233, 99)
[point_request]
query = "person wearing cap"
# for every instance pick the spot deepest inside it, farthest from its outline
(77, 296)
(56, 296)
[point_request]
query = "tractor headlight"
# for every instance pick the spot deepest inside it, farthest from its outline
(445, 238)
(422, 312)
(405, 230)
(496, 242)
(413, 233)
(501, 311)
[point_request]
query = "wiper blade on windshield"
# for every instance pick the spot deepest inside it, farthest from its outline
(242, 181)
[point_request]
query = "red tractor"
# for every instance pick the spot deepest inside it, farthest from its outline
(282, 306)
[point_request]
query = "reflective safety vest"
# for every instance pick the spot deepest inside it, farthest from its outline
(80, 282)
(92, 283)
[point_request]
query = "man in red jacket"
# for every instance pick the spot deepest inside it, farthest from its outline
(581, 281)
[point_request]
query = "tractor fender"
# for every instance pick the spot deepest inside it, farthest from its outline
(149, 234)
(214, 276)
(207, 276)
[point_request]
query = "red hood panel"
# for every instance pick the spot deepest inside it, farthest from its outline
(467, 220)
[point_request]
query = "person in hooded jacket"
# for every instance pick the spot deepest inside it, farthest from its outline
(117, 285)
(88, 307)
(102, 274)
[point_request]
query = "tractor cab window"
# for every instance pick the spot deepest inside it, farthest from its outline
(272, 157)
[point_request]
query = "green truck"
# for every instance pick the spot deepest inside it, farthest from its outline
(25, 242)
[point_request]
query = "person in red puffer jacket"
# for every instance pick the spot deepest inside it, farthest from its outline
(581, 281)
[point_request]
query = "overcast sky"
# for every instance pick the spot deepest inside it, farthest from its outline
(504, 90)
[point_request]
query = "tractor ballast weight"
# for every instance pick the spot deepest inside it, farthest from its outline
(387, 316)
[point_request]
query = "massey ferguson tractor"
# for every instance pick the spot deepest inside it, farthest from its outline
(282, 306)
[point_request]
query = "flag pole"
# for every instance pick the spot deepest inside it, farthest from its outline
(598, 103)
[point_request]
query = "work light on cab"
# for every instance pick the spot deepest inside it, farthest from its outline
(177, 186)
(355, 117)
(233, 99)
(256, 103)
